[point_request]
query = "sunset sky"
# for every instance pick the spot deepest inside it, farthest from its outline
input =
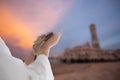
(21, 21)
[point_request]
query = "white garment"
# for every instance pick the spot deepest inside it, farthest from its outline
(12, 68)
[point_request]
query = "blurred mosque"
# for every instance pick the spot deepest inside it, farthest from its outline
(87, 53)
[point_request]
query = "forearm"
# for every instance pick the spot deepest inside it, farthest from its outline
(32, 56)
(30, 59)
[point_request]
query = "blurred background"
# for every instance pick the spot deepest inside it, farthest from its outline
(91, 28)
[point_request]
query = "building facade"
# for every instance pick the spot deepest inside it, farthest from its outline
(90, 53)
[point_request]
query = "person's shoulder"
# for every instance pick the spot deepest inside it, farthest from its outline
(4, 48)
(2, 41)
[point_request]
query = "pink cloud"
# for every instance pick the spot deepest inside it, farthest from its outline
(43, 15)
(23, 20)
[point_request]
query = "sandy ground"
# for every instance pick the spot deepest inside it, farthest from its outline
(87, 71)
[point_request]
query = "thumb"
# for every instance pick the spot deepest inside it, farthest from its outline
(59, 33)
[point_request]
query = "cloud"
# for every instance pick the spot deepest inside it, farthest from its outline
(13, 30)
(21, 21)
(41, 15)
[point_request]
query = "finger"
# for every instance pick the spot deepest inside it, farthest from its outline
(40, 38)
(60, 32)
(49, 32)
(58, 35)
(48, 36)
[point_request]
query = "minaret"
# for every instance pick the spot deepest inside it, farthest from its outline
(95, 41)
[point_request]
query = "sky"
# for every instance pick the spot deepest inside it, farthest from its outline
(21, 21)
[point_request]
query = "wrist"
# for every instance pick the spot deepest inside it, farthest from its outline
(45, 52)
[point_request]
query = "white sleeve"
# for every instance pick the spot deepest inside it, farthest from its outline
(11, 68)
(3, 48)
(40, 69)
(14, 69)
